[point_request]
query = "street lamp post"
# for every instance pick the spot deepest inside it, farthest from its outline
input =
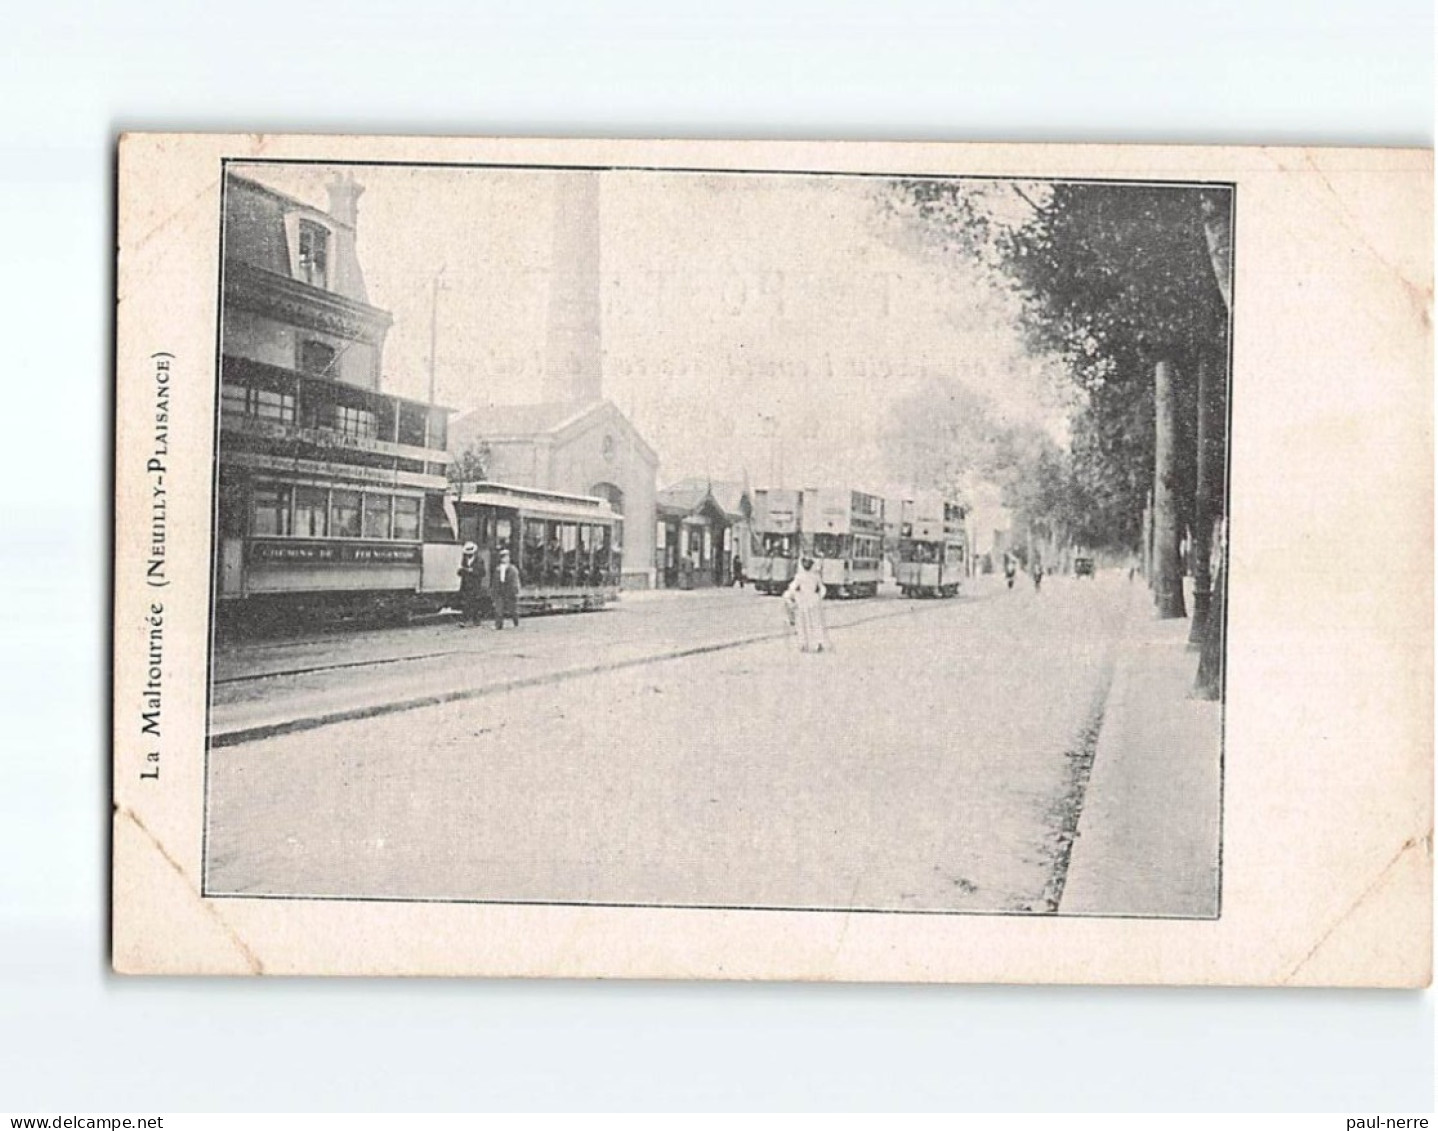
(436, 285)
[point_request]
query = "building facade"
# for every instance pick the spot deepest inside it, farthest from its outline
(702, 534)
(326, 483)
(581, 449)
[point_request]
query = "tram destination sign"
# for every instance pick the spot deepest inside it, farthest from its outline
(284, 552)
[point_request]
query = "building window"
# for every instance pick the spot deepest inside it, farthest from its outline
(344, 514)
(356, 421)
(376, 515)
(317, 358)
(270, 510)
(412, 419)
(311, 512)
(265, 404)
(314, 254)
(406, 517)
(235, 399)
(270, 405)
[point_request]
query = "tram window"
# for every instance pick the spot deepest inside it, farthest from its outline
(270, 510)
(345, 514)
(311, 512)
(406, 517)
(376, 515)
(569, 551)
(551, 551)
(436, 522)
(587, 542)
(533, 548)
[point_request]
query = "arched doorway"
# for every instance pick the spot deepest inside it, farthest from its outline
(611, 493)
(615, 497)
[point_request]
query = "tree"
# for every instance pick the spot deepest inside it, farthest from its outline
(1131, 285)
(1124, 283)
(469, 466)
(944, 434)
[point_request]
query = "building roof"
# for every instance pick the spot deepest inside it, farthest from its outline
(686, 495)
(256, 235)
(529, 421)
(689, 495)
(729, 494)
(493, 421)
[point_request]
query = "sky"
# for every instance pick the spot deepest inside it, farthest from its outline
(753, 324)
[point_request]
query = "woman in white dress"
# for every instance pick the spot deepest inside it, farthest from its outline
(805, 597)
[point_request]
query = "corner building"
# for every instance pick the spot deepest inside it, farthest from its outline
(328, 487)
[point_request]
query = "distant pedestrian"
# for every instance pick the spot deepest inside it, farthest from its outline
(739, 577)
(804, 603)
(471, 585)
(1038, 572)
(504, 591)
(1010, 569)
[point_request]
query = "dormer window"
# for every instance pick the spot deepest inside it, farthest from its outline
(314, 254)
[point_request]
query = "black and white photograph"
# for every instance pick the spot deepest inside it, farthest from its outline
(652, 537)
(739, 561)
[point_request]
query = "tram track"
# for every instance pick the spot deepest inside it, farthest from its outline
(908, 606)
(375, 662)
(276, 727)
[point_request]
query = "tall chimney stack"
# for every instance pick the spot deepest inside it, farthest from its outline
(344, 193)
(572, 369)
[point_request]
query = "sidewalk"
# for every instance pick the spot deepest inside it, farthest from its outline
(1148, 835)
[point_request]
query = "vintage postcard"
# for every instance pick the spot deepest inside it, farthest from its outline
(842, 561)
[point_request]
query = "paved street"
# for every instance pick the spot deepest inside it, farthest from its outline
(935, 760)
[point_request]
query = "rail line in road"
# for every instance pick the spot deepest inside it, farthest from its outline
(250, 677)
(441, 653)
(270, 729)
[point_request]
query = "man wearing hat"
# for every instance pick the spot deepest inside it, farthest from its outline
(504, 591)
(471, 584)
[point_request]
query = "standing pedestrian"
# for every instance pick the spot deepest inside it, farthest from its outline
(471, 585)
(1010, 568)
(804, 601)
(1038, 572)
(504, 591)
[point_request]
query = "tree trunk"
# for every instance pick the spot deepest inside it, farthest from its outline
(1167, 529)
(1207, 477)
(1210, 680)
(1146, 550)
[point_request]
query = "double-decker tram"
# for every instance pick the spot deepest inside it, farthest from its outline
(568, 548)
(844, 530)
(331, 500)
(774, 554)
(933, 547)
(334, 506)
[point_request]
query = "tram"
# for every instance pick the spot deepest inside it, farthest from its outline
(568, 548)
(774, 553)
(933, 547)
(844, 530)
(296, 550)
